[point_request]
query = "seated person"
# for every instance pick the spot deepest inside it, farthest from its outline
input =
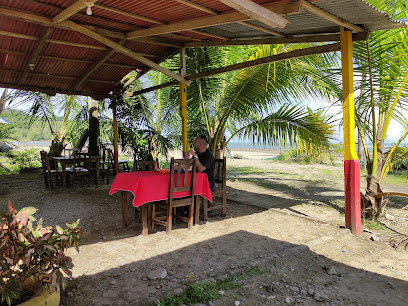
(205, 159)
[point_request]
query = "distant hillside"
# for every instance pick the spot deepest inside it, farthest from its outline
(21, 130)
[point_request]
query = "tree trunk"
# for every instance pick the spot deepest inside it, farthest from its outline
(371, 207)
(361, 153)
(219, 149)
(57, 145)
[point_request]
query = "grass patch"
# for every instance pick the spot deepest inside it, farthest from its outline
(246, 170)
(398, 177)
(200, 292)
(372, 224)
(293, 156)
(257, 270)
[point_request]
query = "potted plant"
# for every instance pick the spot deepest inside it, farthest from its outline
(32, 259)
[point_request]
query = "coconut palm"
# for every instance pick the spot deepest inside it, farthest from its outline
(381, 74)
(46, 109)
(258, 103)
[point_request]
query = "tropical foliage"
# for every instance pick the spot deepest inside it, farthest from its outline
(381, 92)
(48, 111)
(255, 103)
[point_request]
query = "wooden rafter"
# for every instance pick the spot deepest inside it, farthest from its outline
(49, 91)
(212, 12)
(318, 11)
(280, 8)
(72, 10)
(66, 43)
(123, 50)
(265, 60)
(154, 21)
(274, 40)
(257, 12)
(94, 66)
(254, 26)
(29, 64)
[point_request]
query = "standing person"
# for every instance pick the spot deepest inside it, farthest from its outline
(205, 159)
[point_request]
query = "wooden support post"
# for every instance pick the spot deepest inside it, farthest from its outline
(115, 141)
(351, 162)
(183, 101)
(93, 127)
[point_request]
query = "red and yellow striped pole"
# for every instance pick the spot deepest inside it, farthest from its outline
(351, 162)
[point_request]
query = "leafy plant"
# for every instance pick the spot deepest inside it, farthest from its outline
(31, 251)
(24, 159)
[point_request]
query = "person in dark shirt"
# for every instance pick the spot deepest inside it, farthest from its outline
(205, 159)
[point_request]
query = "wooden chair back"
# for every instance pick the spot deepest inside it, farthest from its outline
(181, 166)
(48, 172)
(220, 172)
(143, 165)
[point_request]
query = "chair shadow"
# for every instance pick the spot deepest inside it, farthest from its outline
(219, 258)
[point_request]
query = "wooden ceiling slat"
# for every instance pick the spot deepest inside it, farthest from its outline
(72, 10)
(29, 64)
(318, 11)
(257, 12)
(280, 8)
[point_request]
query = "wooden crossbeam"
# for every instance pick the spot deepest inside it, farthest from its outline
(72, 10)
(273, 40)
(51, 91)
(265, 60)
(257, 12)
(67, 43)
(29, 64)
(326, 15)
(279, 8)
(94, 66)
(212, 12)
(123, 50)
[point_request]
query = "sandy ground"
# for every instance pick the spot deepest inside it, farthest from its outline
(283, 220)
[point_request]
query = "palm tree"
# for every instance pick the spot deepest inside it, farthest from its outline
(381, 74)
(258, 103)
(46, 109)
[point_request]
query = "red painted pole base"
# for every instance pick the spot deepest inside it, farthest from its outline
(352, 195)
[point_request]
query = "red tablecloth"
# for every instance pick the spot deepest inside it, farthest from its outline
(149, 186)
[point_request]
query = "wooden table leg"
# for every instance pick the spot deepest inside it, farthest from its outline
(64, 175)
(145, 230)
(197, 210)
(125, 215)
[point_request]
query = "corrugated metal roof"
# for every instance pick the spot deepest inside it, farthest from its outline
(68, 56)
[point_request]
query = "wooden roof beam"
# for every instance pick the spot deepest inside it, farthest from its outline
(280, 8)
(94, 66)
(318, 11)
(257, 12)
(274, 40)
(260, 61)
(29, 64)
(50, 91)
(72, 10)
(123, 50)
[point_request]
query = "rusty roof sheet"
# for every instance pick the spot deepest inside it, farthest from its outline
(72, 62)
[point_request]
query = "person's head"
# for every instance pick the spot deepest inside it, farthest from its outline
(200, 144)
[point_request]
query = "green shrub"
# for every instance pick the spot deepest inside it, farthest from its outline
(24, 159)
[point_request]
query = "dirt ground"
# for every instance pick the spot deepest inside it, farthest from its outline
(283, 234)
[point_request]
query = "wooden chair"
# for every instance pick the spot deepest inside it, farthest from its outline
(121, 163)
(50, 173)
(81, 168)
(143, 165)
(105, 165)
(181, 185)
(220, 176)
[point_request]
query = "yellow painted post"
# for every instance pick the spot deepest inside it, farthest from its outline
(183, 101)
(115, 141)
(351, 162)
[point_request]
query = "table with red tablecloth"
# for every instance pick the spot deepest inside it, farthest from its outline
(151, 186)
